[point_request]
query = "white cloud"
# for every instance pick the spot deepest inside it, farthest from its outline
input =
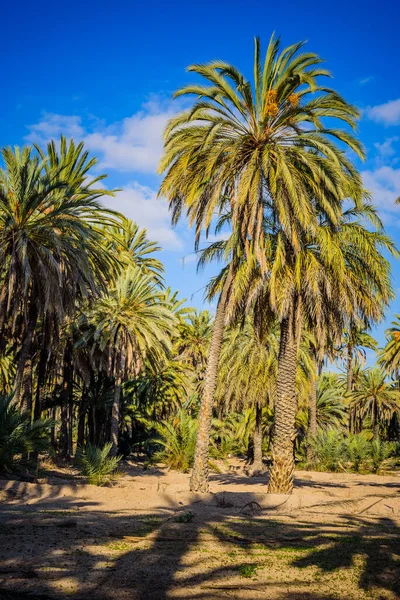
(131, 145)
(365, 80)
(52, 126)
(384, 184)
(388, 113)
(140, 203)
(386, 148)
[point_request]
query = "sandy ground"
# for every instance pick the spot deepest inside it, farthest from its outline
(337, 536)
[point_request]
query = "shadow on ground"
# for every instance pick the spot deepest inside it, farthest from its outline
(208, 549)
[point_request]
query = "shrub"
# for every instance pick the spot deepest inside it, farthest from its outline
(178, 439)
(330, 450)
(18, 436)
(97, 465)
(358, 452)
(382, 456)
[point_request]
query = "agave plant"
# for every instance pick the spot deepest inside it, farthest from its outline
(97, 464)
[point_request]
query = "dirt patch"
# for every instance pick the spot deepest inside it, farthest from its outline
(337, 536)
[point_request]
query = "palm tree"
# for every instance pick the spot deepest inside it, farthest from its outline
(194, 340)
(49, 241)
(338, 274)
(162, 387)
(375, 400)
(131, 245)
(247, 377)
(389, 356)
(257, 149)
(356, 340)
(133, 321)
(331, 409)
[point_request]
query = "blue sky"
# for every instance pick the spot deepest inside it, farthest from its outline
(104, 73)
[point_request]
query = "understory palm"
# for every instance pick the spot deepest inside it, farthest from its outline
(133, 321)
(375, 400)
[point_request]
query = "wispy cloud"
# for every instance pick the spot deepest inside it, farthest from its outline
(365, 80)
(52, 125)
(386, 149)
(133, 144)
(388, 113)
(384, 185)
(140, 203)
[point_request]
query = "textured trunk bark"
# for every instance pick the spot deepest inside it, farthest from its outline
(70, 425)
(26, 388)
(282, 471)
(41, 375)
(81, 422)
(258, 467)
(350, 370)
(119, 371)
(25, 352)
(199, 477)
(66, 397)
(3, 316)
(312, 412)
(53, 434)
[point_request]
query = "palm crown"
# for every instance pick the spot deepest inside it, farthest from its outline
(261, 146)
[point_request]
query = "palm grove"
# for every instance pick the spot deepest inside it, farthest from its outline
(99, 357)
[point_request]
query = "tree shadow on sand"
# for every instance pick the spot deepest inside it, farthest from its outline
(210, 548)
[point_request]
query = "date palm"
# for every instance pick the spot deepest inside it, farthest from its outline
(49, 238)
(194, 341)
(389, 356)
(257, 148)
(133, 322)
(247, 377)
(338, 274)
(356, 340)
(132, 247)
(331, 408)
(376, 400)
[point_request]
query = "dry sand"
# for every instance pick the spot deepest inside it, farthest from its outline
(336, 536)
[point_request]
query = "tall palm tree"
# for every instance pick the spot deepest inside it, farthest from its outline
(389, 356)
(247, 377)
(194, 341)
(49, 241)
(133, 321)
(133, 247)
(356, 340)
(257, 149)
(338, 274)
(376, 400)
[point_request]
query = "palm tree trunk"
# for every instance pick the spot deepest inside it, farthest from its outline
(40, 379)
(66, 395)
(258, 467)
(312, 413)
(53, 431)
(350, 370)
(26, 388)
(199, 477)
(119, 371)
(24, 353)
(282, 471)
(3, 316)
(81, 421)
